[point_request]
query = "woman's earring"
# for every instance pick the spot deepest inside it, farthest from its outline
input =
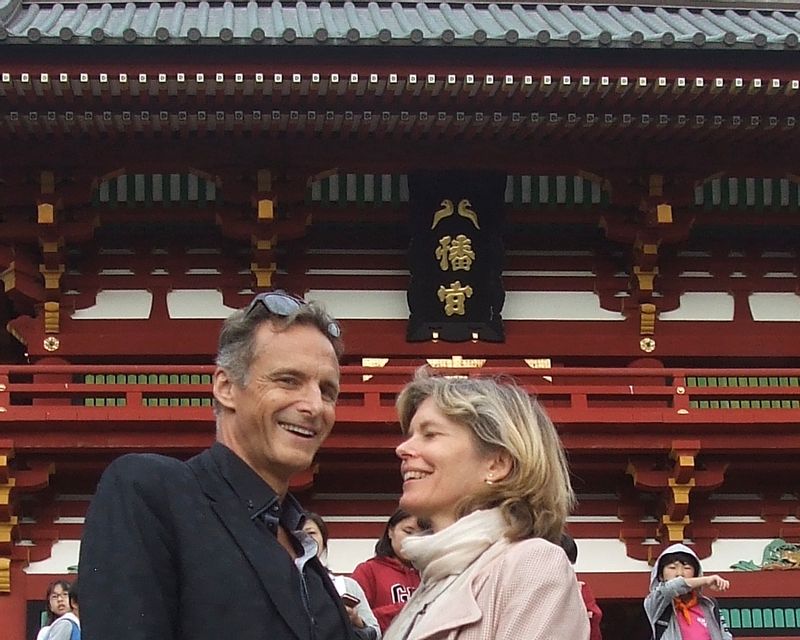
(489, 480)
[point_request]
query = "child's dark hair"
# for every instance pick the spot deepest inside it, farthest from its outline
(73, 594)
(678, 556)
(383, 548)
(569, 546)
(321, 525)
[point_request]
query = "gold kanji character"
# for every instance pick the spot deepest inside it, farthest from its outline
(454, 298)
(456, 253)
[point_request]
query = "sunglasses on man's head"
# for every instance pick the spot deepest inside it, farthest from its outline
(282, 304)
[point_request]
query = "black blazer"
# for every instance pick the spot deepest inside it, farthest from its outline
(169, 553)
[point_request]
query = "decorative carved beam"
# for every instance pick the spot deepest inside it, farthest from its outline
(51, 243)
(276, 201)
(264, 238)
(42, 532)
(654, 226)
(22, 281)
(676, 485)
(8, 521)
(389, 153)
(637, 527)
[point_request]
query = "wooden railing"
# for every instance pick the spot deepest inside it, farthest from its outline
(38, 391)
(594, 405)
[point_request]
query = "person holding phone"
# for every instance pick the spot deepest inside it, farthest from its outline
(353, 598)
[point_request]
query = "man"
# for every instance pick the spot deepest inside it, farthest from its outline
(68, 626)
(211, 548)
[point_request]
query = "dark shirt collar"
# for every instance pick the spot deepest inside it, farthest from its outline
(257, 496)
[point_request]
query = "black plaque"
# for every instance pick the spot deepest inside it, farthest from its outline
(456, 256)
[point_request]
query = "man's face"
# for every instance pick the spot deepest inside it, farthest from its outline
(281, 416)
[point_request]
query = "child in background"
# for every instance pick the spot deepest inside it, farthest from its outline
(57, 605)
(592, 608)
(68, 626)
(361, 616)
(388, 579)
(675, 606)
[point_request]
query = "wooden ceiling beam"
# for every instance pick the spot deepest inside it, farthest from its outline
(559, 340)
(217, 155)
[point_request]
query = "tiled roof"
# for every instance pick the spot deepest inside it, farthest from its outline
(375, 23)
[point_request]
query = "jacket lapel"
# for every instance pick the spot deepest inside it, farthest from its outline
(318, 567)
(269, 559)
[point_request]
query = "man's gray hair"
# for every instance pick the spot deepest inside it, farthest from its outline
(235, 350)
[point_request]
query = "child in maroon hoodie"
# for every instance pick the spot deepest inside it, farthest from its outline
(592, 608)
(387, 579)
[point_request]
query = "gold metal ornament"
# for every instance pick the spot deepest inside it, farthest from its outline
(51, 343)
(648, 345)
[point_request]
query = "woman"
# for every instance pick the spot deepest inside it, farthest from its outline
(388, 579)
(353, 598)
(483, 463)
(57, 604)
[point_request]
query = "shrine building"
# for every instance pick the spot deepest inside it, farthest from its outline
(601, 200)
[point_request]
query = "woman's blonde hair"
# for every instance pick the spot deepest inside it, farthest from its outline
(536, 496)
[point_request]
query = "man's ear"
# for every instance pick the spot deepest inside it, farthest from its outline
(500, 465)
(223, 389)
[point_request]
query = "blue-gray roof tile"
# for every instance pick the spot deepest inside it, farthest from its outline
(397, 23)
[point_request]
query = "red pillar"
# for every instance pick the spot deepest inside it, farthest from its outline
(13, 605)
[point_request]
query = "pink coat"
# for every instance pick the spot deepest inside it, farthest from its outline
(529, 592)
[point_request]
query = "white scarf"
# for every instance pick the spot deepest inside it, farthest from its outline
(444, 556)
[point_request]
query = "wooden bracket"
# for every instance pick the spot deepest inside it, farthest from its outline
(8, 521)
(51, 242)
(676, 485)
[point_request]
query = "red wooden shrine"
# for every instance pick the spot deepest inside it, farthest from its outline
(155, 173)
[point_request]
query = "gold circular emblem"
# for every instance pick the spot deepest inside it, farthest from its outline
(51, 343)
(648, 345)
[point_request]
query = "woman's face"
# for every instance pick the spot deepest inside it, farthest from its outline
(311, 528)
(400, 531)
(59, 600)
(441, 464)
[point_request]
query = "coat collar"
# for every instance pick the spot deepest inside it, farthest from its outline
(439, 615)
(273, 566)
(255, 495)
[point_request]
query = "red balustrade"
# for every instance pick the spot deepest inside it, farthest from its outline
(618, 408)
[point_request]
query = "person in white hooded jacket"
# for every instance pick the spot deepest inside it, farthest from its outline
(676, 606)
